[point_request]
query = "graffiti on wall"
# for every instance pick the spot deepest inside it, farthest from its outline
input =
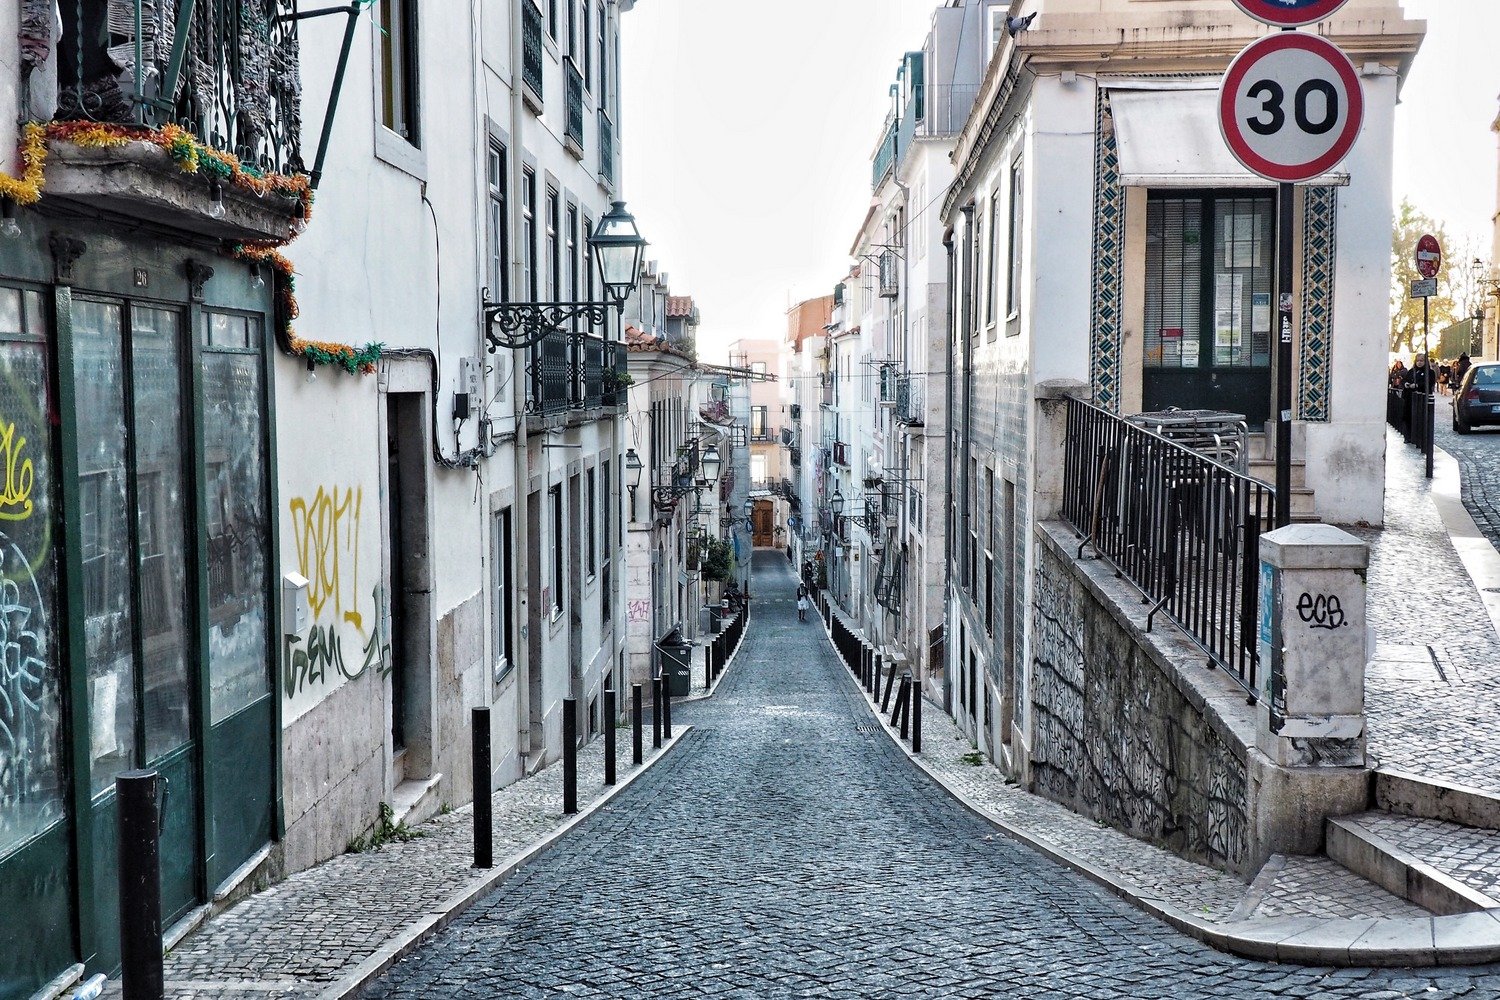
(638, 610)
(29, 704)
(15, 487)
(346, 640)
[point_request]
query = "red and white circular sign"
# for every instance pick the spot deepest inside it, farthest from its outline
(1429, 256)
(1291, 107)
(1289, 13)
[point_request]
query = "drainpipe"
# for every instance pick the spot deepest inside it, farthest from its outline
(905, 327)
(521, 524)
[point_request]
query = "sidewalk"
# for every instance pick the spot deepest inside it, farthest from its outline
(1432, 703)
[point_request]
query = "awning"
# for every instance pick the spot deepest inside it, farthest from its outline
(1168, 137)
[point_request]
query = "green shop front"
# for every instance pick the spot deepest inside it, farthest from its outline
(136, 569)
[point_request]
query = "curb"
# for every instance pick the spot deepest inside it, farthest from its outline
(1465, 939)
(1478, 556)
(451, 908)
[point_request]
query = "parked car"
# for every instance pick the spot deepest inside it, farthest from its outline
(1477, 401)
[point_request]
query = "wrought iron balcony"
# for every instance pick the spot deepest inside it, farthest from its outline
(574, 122)
(588, 371)
(531, 47)
(911, 400)
(606, 148)
(616, 372)
(885, 156)
(548, 376)
(840, 454)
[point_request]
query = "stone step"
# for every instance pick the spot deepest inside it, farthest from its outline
(1264, 469)
(1444, 867)
(1433, 798)
(1299, 886)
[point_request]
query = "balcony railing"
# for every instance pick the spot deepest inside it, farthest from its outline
(588, 371)
(531, 46)
(1184, 528)
(911, 400)
(549, 376)
(235, 83)
(942, 110)
(574, 124)
(828, 393)
(841, 454)
(885, 156)
(890, 277)
(616, 370)
(606, 148)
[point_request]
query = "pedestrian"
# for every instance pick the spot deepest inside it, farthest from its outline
(802, 603)
(1460, 369)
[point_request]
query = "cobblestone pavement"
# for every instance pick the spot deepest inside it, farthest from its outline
(303, 934)
(788, 849)
(1478, 455)
(1431, 696)
(1469, 855)
(1294, 886)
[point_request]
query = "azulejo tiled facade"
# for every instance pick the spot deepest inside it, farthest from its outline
(1319, 246)
(1109, 247)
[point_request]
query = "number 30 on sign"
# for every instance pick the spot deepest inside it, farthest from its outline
(1291, 107)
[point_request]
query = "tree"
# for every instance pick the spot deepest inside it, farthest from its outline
(1453, 301)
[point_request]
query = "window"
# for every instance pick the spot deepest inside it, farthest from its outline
(758, 367)
(758, 425)
(503, 614)
(586, 44)
(528, 232)
(552, 18)
(572, 235)
(757, 468)
(557, 550)
(603, 60)
(586, 261)
(991, 264)
(591, 538)
(554, 249)
(398, 68)
(1017, 218)
(499, 225)
(608, 510)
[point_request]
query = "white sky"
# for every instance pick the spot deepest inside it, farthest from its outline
(748, 132)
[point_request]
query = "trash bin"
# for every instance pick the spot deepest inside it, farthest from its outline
(677, 666)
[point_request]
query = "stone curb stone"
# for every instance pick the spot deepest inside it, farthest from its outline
(1463, 939)
(409, 939)
(725, 671)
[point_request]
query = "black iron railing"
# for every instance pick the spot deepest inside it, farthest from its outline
(606, 148)
(548, 383)
(227, 72)
(588, 370)
(911, 400)
(1182, 527)
(531, 46)
(574, 122)
(615, 373)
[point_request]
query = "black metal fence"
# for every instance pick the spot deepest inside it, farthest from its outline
(1182, 527)
(588, 368)
(911, 400)
(1407, 412)
(574, 122)
(531, 46)
(606, 148)
(548, 382)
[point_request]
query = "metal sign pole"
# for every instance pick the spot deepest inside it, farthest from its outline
(1284, 272)
(1429, 376)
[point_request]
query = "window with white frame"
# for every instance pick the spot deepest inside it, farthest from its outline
(1017, 220)
(398, 67)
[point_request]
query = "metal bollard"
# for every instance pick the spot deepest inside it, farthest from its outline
(903, 704)
(610, 722)
(570, 756)
(140, 884)
(484, 818)
(635, 724)
(666, 707)
(890, 681)
(916, 716)
(656, 683)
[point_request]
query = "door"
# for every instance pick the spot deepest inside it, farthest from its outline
(1210, 272)
(411, 587)
(138, 586)
(762, 524)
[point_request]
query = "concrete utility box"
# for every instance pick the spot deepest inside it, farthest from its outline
(1314, 645)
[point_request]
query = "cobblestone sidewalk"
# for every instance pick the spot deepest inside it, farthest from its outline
(1433, 691)
(301, 936)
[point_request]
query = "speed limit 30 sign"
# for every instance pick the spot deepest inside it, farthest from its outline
(1291, 107)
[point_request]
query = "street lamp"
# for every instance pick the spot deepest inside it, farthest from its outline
(633, 470)
(710, 461)
(837, 503)
(617, 248)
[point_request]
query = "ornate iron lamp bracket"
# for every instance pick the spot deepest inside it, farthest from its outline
(517, 325)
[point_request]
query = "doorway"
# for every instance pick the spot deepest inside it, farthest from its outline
(411, 586)
(1210, 277)
(762, 524)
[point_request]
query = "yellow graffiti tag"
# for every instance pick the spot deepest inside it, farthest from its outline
(326, 532)
(15, 492)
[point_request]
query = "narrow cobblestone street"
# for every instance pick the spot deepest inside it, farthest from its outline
(1478, 455)
(788, 850)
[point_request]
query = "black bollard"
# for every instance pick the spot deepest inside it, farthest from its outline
(890, 681)
(570, 756)
(610, 722)
(635, 724)
(916, 716)
(656, 683)
(139, 807)
(903, 705)
(666, 707)
(484, 819)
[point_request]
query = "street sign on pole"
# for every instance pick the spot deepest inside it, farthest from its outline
(1424, 288)
(1291, 107)
(1429, 257)
(1289, 13)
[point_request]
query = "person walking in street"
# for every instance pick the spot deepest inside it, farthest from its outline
(1460, 369)
(802, 603)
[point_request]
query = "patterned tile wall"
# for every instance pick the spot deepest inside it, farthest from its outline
(1319, 252)
(1109, 257)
